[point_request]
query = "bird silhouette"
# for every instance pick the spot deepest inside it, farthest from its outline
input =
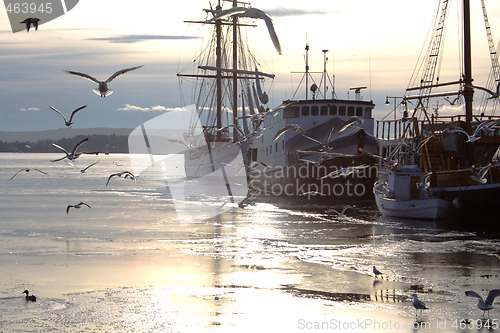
(418, 305)
(31, 21)
(127, 174)
(377, 272)
(485, 305)
(77, 206)
(70, 121)
(27, 170)
(103, 89)
(29, 297)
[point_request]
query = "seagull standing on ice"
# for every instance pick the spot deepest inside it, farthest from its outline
(103, 90)
(377, 272)
(485, 305)
(418, 305)
(70, 121)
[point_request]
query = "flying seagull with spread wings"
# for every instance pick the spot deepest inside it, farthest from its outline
(251, 13)
(73, 155)
(68, 122)
(103, 90)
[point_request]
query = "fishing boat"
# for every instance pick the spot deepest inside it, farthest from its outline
(293, 149)
(437, 166)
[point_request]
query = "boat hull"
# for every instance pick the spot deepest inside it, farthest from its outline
(429, 209)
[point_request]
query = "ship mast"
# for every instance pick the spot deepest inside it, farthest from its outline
(235, 73)
(218, 78)
(468, 90)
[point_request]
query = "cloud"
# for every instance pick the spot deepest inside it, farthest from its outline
(140, 38)
(32, 108)
(155, 108)
(282, 11)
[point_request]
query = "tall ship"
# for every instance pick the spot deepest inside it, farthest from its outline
(444, 166)
(311, 148)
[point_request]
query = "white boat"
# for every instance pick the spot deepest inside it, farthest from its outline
(233, 107)
(398, 195)
(435, 166)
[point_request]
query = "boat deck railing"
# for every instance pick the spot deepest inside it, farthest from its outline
(411, 127)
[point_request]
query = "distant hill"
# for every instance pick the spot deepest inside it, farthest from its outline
(100, 140)
(57, 134)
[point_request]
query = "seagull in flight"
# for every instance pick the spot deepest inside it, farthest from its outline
(70, 121)
(495, 94)
(418, 305)
(351, 121)
(342, 213)
(289, 127)
(27, 170)
(127, 174)
(31, 21)
(485, 305)
(77, 206)
(479, 176)
(344, 172)
(86, 168)
(103, 90)
(485, 125)
(251, 13)
(73, 155)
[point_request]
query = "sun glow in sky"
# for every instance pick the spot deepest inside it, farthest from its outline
(371, 43)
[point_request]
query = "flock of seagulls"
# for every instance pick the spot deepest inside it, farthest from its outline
(74, 154)
(483, 304)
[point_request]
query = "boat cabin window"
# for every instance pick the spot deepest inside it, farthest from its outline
(350, 111)
(359, 111)
(305, 110)
(333, 110)
(291, 112)
(323, 110)
(314, 110)
(342, 110)
(368, 113)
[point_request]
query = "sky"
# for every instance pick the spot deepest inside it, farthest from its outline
(371, 43)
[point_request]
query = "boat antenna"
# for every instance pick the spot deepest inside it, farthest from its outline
(325, 75)
(307, 68)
